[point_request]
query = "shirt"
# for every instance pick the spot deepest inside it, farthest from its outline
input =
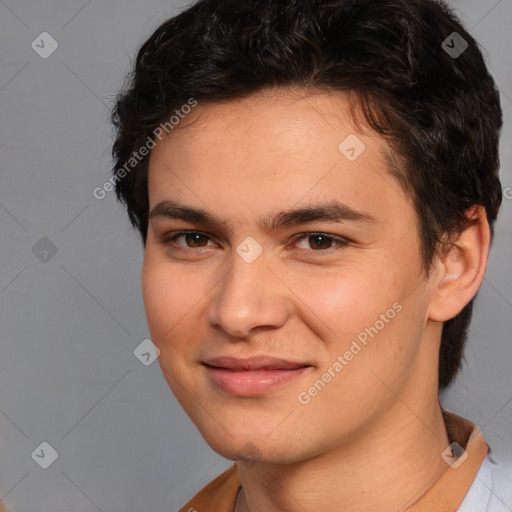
(478, 484)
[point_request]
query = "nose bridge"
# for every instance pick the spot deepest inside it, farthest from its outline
(249, 295)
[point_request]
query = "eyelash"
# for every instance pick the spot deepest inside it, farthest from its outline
(339, 241)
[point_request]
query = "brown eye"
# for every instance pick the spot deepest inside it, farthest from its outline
(320, 241)
(193, 239)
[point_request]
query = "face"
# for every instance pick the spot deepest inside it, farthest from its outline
(282, 278)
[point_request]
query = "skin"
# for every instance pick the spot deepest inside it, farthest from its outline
(372, 438)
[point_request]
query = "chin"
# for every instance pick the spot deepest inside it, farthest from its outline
(254, 446)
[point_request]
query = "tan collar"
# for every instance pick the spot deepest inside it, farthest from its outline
(449, 491)
(446, 495)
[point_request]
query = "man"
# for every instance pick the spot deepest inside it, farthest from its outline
(316, 185)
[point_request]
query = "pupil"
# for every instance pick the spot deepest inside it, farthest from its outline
(193, 237)
(316, 237)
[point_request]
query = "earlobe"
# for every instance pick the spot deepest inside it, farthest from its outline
(460, 270)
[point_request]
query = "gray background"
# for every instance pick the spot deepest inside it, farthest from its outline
(69, 326)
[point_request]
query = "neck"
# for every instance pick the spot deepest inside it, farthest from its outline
(391, 464)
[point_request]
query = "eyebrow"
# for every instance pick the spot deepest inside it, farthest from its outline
(332, 211)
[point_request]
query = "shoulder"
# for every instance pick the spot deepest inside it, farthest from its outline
(218, 496)
(492, 488)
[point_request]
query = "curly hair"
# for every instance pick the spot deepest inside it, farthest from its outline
(440, 113)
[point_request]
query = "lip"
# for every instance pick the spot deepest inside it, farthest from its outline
(253, 376)
(253, 363)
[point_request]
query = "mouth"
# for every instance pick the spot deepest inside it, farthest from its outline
(254, 376)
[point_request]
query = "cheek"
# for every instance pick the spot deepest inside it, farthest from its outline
(153, 295)
(171, 302)
(346, 300)
(367, 312)
(167, 296)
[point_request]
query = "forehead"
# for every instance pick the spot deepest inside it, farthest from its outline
(276, 146)
(274, 112)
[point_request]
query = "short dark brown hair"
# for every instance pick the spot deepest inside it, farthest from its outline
(440, 112)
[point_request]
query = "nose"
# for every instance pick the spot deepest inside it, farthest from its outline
(249, 296)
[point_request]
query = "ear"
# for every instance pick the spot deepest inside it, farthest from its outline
(459, 271)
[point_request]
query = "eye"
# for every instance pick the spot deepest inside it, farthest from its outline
(194, 238)
(321, 242)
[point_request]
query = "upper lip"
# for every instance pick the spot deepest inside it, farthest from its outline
(253, 363)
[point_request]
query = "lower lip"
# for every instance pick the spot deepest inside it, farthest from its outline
(251, 383)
